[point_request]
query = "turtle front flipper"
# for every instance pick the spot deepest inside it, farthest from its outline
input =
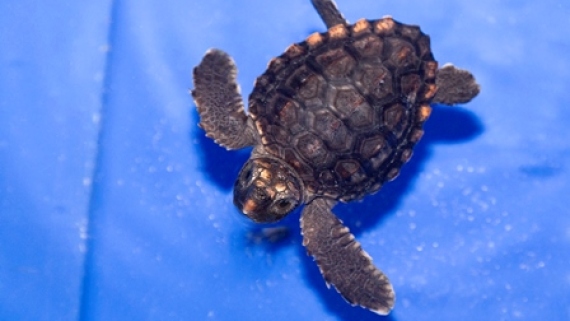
(219, 102)
(455, 86)
(329, 13)
(342, 261)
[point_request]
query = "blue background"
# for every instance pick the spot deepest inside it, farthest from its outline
(114, 206)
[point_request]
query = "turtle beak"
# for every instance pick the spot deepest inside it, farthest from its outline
(253, 202)
(249, 207)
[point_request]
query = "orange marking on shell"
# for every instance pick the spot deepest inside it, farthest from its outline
(430, 69)
(406, 155)
(338, 32)
(392, 174)
(404, 53)
(383, 25)
(423, 112)
(294, 50)
(430, 91)
(361, 26)
(260, 127)
(416, 135)
(276, 64)
(314, 40)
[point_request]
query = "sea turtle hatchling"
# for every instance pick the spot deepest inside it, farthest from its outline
(333, 118)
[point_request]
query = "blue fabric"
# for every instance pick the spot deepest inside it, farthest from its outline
(114, 206)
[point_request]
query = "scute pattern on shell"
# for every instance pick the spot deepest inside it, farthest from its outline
(345, 107)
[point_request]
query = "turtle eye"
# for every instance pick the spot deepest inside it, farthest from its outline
(283, 204)
(246, 175)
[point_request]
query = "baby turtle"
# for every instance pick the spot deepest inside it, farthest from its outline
(332, 119)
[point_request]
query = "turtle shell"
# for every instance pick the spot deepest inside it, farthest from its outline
(344, 108)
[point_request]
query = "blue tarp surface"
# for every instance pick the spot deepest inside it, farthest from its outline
(114, 206)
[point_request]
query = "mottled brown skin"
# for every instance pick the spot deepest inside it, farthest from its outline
(333, 118)
(215, 85)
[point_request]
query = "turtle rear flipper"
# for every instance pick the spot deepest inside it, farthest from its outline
(455, 86)
(219, 102)
(329, 13)
(342, 261)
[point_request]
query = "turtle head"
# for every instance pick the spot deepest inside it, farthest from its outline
(267, 190)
